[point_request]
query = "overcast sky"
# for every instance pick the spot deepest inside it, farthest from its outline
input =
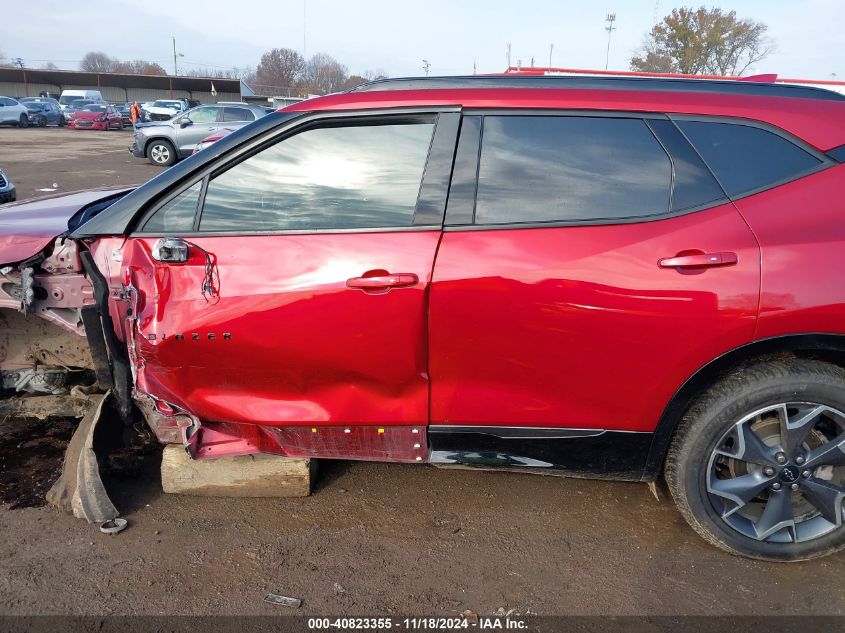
(396, 35)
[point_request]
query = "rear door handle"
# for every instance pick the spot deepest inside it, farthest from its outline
(700, 260)
(383, 282)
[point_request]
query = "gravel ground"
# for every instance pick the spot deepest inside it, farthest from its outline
(373, 538)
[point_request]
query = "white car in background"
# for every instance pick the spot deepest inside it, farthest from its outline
(13, 113)
(166, 109)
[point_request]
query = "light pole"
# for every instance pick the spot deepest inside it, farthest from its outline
(610, 19)
(551, 50)
(175, 55)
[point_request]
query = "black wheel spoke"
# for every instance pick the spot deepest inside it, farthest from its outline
(825, 497)
(831, 453)
(777, 514)
(740, 489)
(751, 448)
(794, 431)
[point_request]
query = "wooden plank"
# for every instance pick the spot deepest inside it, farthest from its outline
(242, 476)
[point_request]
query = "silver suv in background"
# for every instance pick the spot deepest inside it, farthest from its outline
(13, 113)
(165, 142)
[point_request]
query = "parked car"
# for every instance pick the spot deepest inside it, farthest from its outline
(75, 107)
(7, 190)
(70, 97)
(96, 116)
(165, 142)
(125, 115)
(165, 109)
(13, 112)
(606, 277)
(43, 112)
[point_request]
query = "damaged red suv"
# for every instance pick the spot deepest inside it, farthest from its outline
(627, 278)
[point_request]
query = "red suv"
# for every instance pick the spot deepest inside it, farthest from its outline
(623, 278)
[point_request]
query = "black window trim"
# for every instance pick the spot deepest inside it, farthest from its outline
(826, 162)
(449, 115)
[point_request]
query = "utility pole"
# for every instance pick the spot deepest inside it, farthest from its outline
(175, 55)
(610, 19)
(304, 47)
(551, 50)
(509, 54)
(426, 66)
(475, 70)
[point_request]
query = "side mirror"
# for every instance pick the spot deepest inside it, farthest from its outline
(185, 122)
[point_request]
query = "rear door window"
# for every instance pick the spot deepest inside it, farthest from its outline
(237, 114)
(570, 169)
(746, 158)
(693, 185)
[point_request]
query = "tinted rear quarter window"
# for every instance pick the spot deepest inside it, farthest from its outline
(548, 169)
(746, 158)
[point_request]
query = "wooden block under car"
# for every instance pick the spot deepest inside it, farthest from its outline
(242, 476)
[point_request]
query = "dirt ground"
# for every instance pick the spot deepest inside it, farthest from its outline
(373, 539)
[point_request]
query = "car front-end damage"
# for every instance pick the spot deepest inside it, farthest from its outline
(50, 361)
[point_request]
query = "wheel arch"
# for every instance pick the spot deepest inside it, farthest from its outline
(150, 140)
(821, 346)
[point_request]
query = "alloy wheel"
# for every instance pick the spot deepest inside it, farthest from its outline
(778, 475)
(160, 154)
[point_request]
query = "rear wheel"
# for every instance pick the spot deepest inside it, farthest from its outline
(757, 466)
(42, 121)
(23, 121)
(161, 152)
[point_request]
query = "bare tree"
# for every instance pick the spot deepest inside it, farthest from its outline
(139, 67)
(703, 41)
(279, 70)
(98, 62)
(324, 74)
(49, 66)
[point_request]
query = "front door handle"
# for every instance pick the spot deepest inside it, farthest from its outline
(698, 260)
(383, 282)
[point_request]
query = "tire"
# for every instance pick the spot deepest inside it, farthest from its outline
(42, 122)
(161, 152)
(23, 121)
(120, 124)
(706, 452)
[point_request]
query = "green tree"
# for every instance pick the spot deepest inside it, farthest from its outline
(703, 41)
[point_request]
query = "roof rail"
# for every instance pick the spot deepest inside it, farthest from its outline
(655, 84)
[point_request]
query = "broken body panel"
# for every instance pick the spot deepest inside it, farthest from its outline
(257, 343)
